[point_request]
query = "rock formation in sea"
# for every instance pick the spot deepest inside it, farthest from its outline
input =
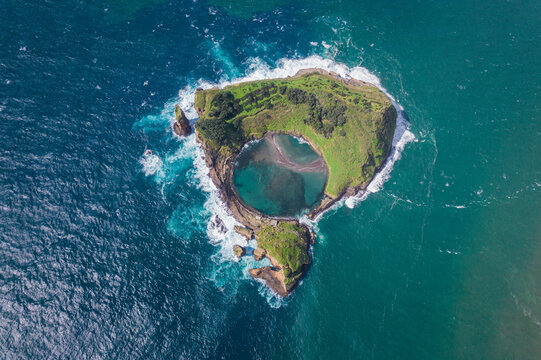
(259, 253)
(247, 233)
(182, 125)
(239, 251)
(273, 278)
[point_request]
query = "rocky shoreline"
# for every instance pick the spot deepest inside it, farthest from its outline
(221, 172)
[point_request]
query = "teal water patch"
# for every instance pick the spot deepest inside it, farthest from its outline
(122, 10)
(245, 9)
(295, 148)
(224, 58)
(275, 177)
(176, 165)
(187, 222)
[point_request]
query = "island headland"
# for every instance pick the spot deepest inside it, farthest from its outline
(348, 122)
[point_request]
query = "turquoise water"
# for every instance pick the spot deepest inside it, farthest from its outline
(296, 149)
(273, 189)
(109, 252)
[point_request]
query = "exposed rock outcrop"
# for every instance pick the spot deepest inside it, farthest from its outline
(247, 233)
(239, 251)
(259, 253)
(273, 278)
(282, 278)
(182, 125)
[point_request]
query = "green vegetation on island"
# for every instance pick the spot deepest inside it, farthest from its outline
(351, 125)
(287, 243)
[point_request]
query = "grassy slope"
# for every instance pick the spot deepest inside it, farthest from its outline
(287, 243)
(353, 152)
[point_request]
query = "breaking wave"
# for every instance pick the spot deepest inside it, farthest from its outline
(219, 220)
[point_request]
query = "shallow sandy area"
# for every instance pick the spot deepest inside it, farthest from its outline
(281, 159)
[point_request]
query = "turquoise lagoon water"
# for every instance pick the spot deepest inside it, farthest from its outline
(108, 251)
(298, 150)
(275, 190)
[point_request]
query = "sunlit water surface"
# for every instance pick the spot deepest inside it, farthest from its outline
(108, 251)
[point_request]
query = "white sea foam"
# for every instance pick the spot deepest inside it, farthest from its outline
(456, 206)
(152, 164)
(289, 67)
(220, 227)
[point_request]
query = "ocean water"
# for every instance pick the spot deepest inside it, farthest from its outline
(114, 243)
(265, 184)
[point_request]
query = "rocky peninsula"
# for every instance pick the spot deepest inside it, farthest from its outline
(348, 122)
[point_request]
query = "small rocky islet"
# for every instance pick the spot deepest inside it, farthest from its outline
(349, 123)
(181, 127)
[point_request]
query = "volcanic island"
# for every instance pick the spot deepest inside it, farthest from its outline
(348, 123)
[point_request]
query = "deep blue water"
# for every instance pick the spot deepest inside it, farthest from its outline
(106, 253)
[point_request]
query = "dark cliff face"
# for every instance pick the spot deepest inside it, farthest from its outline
(182, 125)
(389, 120)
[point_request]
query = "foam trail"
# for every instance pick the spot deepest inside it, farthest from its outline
(220, 226)
(402, 136)
(152, 164)
(221, 232)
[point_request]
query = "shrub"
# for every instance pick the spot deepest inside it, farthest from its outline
(219, 131)
(214, 129)
(328, 129)
(225, 106)
(296, 96)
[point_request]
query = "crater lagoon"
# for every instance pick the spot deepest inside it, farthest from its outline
(280, 175)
